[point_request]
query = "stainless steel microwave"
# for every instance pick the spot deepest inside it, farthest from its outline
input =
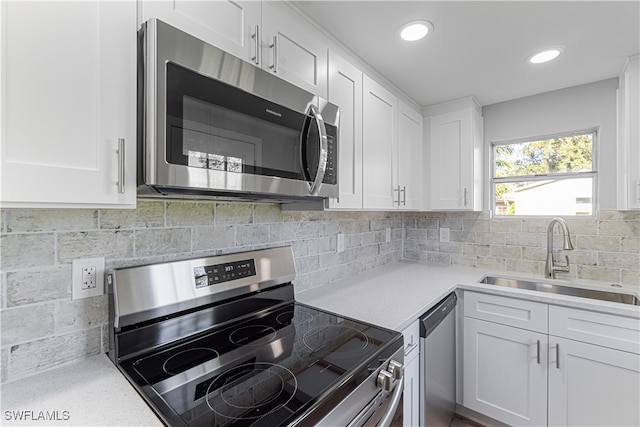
(212, 125)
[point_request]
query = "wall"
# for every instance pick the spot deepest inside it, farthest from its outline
(572, 109)
(606, 248)
(43, 328)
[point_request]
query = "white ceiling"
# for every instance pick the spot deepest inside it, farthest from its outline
(480, 48)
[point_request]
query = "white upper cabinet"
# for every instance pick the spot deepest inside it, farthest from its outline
(379, 120)
(454, 155)
(629, 136)
(345, 90)
(392, 150)
(269, 34)
(233, 26)
(293, 49)
(69, 104)
(408, 176)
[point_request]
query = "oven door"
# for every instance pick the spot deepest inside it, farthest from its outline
(216, 123)
(381, 411)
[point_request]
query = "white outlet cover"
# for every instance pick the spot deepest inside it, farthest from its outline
(444, 234)
(77, 292)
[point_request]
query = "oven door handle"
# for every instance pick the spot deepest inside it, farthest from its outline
(366, 416)
(393, 406)
(322, 158)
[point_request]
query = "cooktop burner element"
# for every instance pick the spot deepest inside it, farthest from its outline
(241, 352)
(339, 340)
(177, 362)
(253, 335)
(273, 386)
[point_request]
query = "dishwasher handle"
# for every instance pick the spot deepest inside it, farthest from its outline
(432, 318)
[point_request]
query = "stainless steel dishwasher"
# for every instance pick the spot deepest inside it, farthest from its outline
(438, 363)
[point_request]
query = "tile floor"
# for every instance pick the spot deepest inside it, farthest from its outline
(457, 421)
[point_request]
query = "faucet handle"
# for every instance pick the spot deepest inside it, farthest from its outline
(563, 268)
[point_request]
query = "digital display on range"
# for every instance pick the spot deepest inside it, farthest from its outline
(209, 275)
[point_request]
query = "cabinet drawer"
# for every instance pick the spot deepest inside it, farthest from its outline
(507, 311)
(622, 333)
(411, 335)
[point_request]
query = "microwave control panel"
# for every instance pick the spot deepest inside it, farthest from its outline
(330, 174)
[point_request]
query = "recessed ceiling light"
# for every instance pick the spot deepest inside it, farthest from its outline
(415, 30)
(545, 56)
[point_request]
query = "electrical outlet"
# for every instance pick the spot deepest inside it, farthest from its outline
(444, 234)
(340, 243)
(87, 277)
(387, 236)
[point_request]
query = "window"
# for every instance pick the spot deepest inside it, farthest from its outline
(551, 175)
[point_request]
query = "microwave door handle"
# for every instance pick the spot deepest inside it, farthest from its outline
(322, 159)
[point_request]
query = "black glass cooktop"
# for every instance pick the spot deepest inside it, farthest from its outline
(261, 371)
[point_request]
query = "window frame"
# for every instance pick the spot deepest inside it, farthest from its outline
(593, 173)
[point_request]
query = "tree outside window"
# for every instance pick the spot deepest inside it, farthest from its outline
(545, 176)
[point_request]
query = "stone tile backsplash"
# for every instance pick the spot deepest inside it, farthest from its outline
(43, 328)
(606, 248)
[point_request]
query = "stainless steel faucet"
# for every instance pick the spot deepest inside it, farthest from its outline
(549, 268)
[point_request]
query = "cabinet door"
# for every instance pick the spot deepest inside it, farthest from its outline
(379, 121)
(411, 396)
(233, 26)
(590, 385)
(69, 95)
(293, 49)
(505, 373)
(629, 136)
(409, 154)
(450, 160)
(345, 90)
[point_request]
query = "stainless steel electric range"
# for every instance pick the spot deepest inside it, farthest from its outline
(221, 341)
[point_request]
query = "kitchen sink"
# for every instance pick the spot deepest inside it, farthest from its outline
(509, 282)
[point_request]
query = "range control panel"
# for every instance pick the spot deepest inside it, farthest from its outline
(209, 275)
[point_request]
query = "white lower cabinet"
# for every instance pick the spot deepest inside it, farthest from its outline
(594, 369)
(411, 398)
(504, 378)
(411, 394)
(585, 371)
(591, 385)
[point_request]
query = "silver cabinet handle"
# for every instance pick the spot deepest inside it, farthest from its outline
(465, 196)
(404, 196)
(256, 40)
(397, 201)
(274, 46)
(558, 356)
(121, 167)
(538, 351)
(410, 348)
(322, 160)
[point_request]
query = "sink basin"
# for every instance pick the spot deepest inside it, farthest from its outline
(559, 289)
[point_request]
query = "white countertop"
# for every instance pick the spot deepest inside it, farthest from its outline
(391, 296)
(92, 392)
(395, 295)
